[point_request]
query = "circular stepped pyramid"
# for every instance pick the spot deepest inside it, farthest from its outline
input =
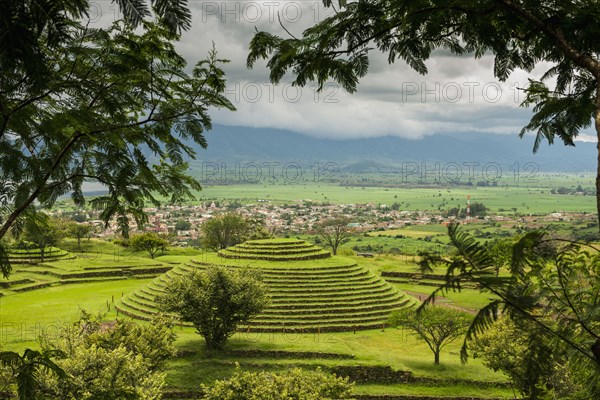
(34, 256)
(320, 293)
(275, 250)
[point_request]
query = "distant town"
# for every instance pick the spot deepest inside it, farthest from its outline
(300, 217)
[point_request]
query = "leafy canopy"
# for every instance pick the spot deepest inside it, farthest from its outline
(437, 326)
(230, 229)
(535, 366)
(26, 369)
(149, 242)
(29, 28)
(118, 108)
(216, 301)
(79, 230)
(90, 359)
(293, 384)
(553, 287)
(110, 360)
(334, 232)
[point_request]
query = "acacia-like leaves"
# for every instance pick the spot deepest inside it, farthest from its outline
(551, 284)
(123, 113)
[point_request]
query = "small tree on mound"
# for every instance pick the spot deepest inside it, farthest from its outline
(79, 231)
(216, 301)
(150, 242)
(437, 326)
(293, 384)
(43, 231)
(334, 232)
(224, 231)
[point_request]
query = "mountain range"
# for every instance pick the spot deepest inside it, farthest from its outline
(234, 144)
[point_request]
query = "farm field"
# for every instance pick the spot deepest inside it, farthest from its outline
(527, 200)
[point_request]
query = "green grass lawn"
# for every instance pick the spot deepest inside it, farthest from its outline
(393, 263)
(24, 315)
(415, 231)
(469, 299)
(393, 347)
(535, 198)
(458, 390)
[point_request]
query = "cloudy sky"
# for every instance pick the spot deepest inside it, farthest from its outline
(458, 94)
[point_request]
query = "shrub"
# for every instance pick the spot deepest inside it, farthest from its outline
(216, 301)
(295, 384)
(110, 361)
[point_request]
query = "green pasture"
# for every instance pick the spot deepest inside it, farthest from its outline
(501, 199)
(394, 347)
(25, 315)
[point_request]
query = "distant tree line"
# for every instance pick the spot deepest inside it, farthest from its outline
(578, 190)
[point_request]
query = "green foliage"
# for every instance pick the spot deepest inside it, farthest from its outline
(225, 230)
(111, 361)
(79, 231)
(334, 232)
(552, 286)
(99, 373)
(43, 231)
(294, 384)
(257, 227)
(216, 301)
(26, 370)
(437, 326)
(108, 95)
(526, 355)
(149, 242)
(501, 251)
(183, 225)
(476, 210)
(154, 341)
(30, 28)
(5, 266)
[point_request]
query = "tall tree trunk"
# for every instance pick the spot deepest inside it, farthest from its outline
(436, 355)
(597, 124)
(596, 350)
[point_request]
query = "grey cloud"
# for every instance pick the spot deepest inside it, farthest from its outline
(391, 99)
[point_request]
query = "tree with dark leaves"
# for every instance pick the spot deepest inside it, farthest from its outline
(117, 107)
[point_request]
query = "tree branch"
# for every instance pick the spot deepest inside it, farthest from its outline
(18, 210)
(585, 61)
